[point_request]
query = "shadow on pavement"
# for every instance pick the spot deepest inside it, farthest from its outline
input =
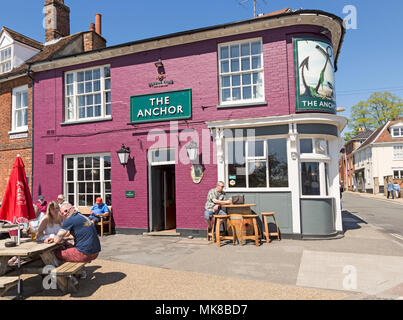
(87, 287)
(350, 221)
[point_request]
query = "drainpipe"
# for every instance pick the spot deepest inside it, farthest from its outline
(32, 127)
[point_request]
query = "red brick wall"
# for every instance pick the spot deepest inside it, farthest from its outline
(10, 148)
(93, 41)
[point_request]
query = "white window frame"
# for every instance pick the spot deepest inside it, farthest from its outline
(161, 163)
(14, 127)
(75, 178)
(398, 155)
(400, 128)
(240, 72)
(324, 188)
(103, 91)
(314, 151)
(248, 159)
(10, 60)
(400, 173)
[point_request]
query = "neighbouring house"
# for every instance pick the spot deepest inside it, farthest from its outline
(346, 162)
(243, 98)
(380, 158)
(17, 52)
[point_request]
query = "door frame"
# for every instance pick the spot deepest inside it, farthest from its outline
(150, 165)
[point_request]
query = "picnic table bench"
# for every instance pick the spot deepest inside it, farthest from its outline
(7, 283)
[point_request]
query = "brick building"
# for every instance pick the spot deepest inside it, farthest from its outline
(262, 119)
(16, 53)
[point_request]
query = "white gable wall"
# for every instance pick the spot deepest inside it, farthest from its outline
(22, 53)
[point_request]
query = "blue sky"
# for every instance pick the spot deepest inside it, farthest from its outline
(370, 60)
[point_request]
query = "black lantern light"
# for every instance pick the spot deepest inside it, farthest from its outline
(123, 155)
(192, 150)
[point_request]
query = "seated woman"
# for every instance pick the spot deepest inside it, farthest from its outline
(51, 223)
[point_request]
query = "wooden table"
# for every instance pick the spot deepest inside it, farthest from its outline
(7, 230)
(236, 213)
(27, 248)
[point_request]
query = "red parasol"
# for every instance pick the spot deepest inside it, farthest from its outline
(17, 200)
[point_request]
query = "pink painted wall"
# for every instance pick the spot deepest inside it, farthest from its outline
(190, 66)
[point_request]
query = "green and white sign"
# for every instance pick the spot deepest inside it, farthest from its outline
(163, 106)
(314, 69)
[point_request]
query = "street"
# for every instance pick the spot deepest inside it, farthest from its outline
(380, 213)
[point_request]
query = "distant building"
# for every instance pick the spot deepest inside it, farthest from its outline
(380, 158)
(17, 52)
(346, 162)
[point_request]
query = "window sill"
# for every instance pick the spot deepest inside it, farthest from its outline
(25, 130)
(68, 123)
(285, 189)
(240, 105)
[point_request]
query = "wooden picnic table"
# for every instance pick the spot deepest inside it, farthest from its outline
(27, 248)
(7, 230)
(240, 213)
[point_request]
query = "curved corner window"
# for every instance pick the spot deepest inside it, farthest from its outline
(314, 178)
(314, 145)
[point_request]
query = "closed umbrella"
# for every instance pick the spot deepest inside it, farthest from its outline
(17, 202)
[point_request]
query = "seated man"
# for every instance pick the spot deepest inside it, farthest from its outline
(99, 210)
(215, 198)
(86, 242)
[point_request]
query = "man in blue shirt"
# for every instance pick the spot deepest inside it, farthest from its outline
(99, 210)
(86, 242)
(390, 190)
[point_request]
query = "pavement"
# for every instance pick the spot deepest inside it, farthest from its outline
(367, 263)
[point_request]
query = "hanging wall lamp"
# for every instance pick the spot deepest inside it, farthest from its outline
(123, 155)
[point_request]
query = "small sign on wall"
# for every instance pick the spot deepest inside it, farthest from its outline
(129, 194)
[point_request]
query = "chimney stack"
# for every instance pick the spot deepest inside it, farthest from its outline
(92, 27)
(57, 19)
(98, 24)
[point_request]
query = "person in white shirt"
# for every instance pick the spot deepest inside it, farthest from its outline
(51, 223)
(60, 200)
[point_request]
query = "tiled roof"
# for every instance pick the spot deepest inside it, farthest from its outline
(23, 39)
(47, 52)
(371, 138)
(363, 135)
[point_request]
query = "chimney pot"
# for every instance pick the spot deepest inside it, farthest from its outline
(92, 27)
(98, 23)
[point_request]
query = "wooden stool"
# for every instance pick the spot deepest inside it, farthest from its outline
(266, 226)
(255, 235)
(212, 231)
(218, 236)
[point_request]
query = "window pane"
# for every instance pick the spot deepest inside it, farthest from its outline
(255, 148)
(96, 74)
(96, 174)
(88, 75)
(247, 92)
(107, 173)
(108, 84)
(224, 52)
(306, 146)
(236, 176)
(396, 132)
(235, 51)
(80, 88)
(96, 162)
(278, 167)
(108, 199)
(90, 100)
(70, 90)
(80, 162)
(107, 71)
(226, 81)
(70, 163)
(81, 101)
(310, 178)
(236, 94)
(88, 175)
(81, 187)
(234, 65)
(245, 64)
(226, 94)
(256, 62)
(245, 49)
(97, 85)
(97, 111)
(108, 97)
(70, 188)
(70, 175)
(321, 146)
(257, 174)
(88, 162)
(108, 109)
(70, 78)
(90, 200)
(236, 152)
(224, 66)
(88, 87)
(90, 187)
(24, 99)
(246, 79)
(97, 187)
(256, 47)
(107, 161)
(71, 199)
(80, 76)
(236, 81)
(90, 112)
(107, 187)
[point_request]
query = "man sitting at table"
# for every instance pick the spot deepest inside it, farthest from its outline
(215, 198)
(86, 242)
(99, 210)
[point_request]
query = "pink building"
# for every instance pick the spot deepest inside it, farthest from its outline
(250, 94)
